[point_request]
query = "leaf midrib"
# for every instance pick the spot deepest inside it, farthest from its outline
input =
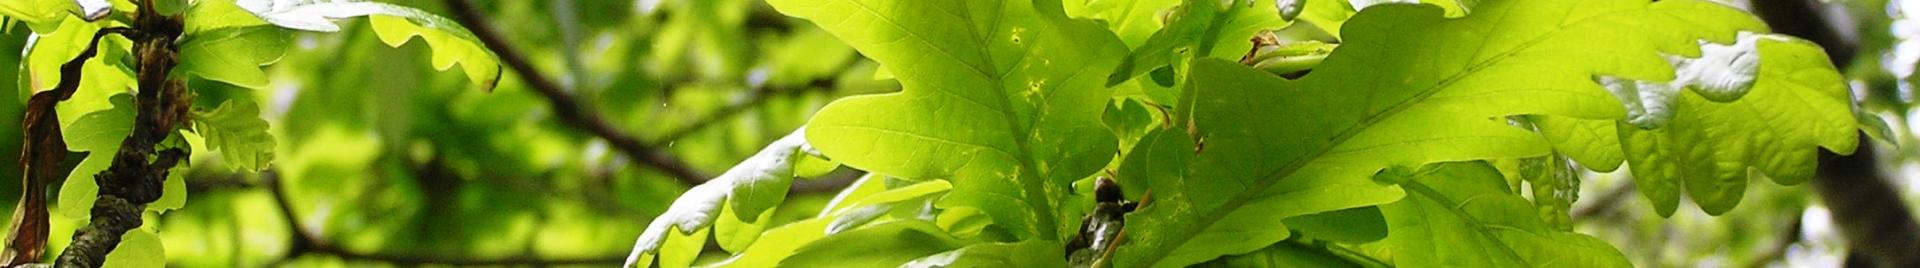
(1033, 188)
(1267, 181)
(1478, 227)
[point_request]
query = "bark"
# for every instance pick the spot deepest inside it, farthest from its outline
(140, 167)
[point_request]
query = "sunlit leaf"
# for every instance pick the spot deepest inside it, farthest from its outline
(1268, 145)
(1032, 253)
(452, 43)
(887, 244)
(41, 15)
(139, 248)
(237, 132)
(1462, 215)
(1798, 103)
(98, 133)
(234, 55)
(1003, 98)
(747, 190)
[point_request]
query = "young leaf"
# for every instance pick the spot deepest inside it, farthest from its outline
(452, 43)
(888, 244)
(98, 133)
(1009, 112)
(1712, 146)
(42, 16)
(752, 187)
(1356, 225)
(233, 55)
(1133, 20)
(104, 75)
(1463, 214)
(1163, 163)
(1269, 144)
(1200, 29)
(138, 248)
(1284, 255)
(1031, 253)
(237, 132)
(206, 16)
(791, 236)
(782, 242)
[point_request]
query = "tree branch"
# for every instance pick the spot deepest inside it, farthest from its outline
(1607, 203)
(305, 242)
(565, 106)
(758, 96)
(139, 169)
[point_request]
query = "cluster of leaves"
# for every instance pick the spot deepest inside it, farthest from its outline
(1347, 133)
(223, 46)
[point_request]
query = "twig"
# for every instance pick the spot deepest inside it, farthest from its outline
(1788, 236)
(139, 168)
(1607, 203)
(757, 97)
(566, 107)
(305, 242)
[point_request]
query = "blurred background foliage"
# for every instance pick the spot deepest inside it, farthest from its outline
(383, 161)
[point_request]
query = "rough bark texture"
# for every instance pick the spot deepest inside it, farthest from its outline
(1879, 228)
(139, 169)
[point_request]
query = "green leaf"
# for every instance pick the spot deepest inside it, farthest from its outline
(1713, 148)
(783, 241)
(1454, 8)
(734, 234)
(1463, 215)
(1712, 144)
(1200, 29)
(234, 55)
(101, 130)
(1031, 253)
(1593, 143)
(237, 132)
(888, 244)
(1875, 127)
(1283, 255)
(1324, 16)
(1003, 98)
(138, 248)
(752, 187)
(1133, 20)
(791, 236)
(173, 194)
(100, 134)
(211, 15)
(1163, 163)
(396, 25)
(104, 75)
(1355, 225)
(41, 15)
(761, 182)
(1267, 144)
(170, 7)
